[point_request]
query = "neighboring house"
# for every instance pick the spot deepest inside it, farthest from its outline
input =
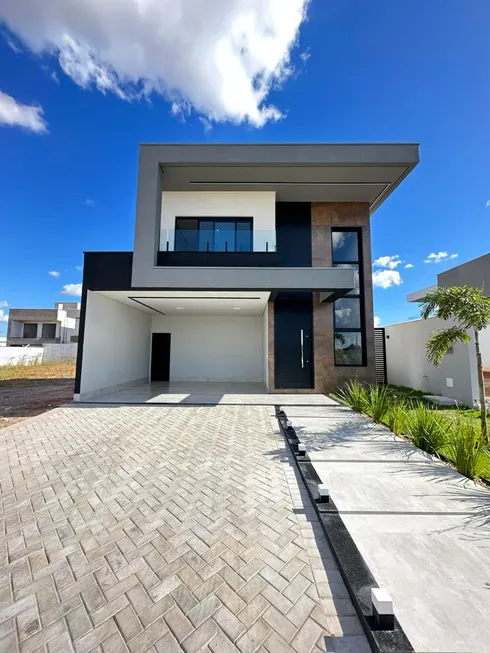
(251, 263)
(41, 326)
(406, 359)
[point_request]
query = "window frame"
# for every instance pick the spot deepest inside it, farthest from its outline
(215, 220)
(359, 295)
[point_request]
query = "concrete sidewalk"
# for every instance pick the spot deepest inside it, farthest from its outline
(423, 529)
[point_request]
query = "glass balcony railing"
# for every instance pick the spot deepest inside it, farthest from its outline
(218, 240)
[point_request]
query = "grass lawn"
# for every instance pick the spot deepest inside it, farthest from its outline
(25, 374)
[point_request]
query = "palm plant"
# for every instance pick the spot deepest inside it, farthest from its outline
(470, 310)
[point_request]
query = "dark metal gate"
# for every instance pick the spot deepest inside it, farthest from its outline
(380, 354)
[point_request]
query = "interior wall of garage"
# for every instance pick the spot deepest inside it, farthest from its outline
(115, 346)
(213, 348)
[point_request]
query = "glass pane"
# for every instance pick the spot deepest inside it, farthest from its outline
(243, 237)
(186, 235)
(347, 313)
(206, 236)
(345, 246)
(348, 348)
(354, 267)
(224, 237)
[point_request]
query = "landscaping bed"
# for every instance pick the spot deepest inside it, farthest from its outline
(451, 433)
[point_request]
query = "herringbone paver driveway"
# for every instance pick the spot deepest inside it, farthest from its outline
(161, 529)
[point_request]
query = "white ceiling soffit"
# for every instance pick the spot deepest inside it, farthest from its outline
(194, 303)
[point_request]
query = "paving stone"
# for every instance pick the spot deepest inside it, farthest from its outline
(110, 549)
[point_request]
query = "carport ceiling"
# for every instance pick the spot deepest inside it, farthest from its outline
(193, 303)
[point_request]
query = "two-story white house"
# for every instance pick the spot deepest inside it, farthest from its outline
(251, 264)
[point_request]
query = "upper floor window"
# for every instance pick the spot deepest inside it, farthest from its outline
(213, 235)
(349, 336)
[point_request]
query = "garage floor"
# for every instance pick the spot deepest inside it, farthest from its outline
(182, 392)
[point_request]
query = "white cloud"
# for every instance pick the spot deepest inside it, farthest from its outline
(14, 114)
(13, 46)
(3, 316)
(488, 203)
(390, 262)
(74, 289)
(408, 266)
(377, 321)
(3, 304)
(54, 273)
(79, 267)
(222, 57)
(89, 202)
(440, 257)
(386, 278)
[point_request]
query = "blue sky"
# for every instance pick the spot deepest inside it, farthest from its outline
(409, 70)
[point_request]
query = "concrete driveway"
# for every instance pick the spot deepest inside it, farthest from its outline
(162, 529)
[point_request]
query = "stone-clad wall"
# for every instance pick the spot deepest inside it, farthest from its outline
(324, 216)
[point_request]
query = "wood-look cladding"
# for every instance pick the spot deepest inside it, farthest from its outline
(324, 216)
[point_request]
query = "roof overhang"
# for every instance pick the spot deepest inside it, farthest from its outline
(332, 283)
(295, 172)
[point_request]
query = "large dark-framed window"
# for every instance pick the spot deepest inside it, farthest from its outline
(349, 315)
(213, 234)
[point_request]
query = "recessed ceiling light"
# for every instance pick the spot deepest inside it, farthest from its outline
(179, 308)
(235, 308)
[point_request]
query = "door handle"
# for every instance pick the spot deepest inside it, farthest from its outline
(302, 350)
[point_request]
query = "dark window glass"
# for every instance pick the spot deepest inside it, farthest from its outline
(355, 266)
(224, 237)
(186, 235)
(30, 331)
(213, 235)
(345, 246)
(348, 348)
(206, 236)
(347, 313)
(49, 331)
(244, 237)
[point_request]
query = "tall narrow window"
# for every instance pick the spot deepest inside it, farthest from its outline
(349, 336)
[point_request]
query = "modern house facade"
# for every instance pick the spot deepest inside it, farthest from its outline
(251, 264)
(456, 377)
(41, 326)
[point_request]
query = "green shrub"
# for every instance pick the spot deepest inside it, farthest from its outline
(466, 449)
(354, 394)
(379, 401)
(397, 415)
(427, 428)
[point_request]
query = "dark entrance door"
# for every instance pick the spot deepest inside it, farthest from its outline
(293, 342)
(160, 357)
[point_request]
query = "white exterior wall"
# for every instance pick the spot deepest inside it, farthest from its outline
(259, 205)
(20, 355)
(213, 348)
(485, 348)
(57, 351)
(116, 349)
(407, 363)
(265, 346)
